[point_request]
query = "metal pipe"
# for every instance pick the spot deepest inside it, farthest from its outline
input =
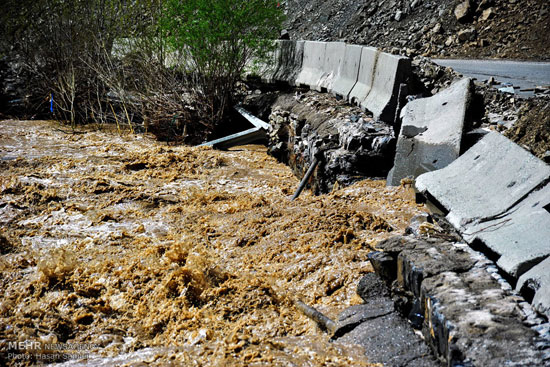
(306, 178)
(322, 321)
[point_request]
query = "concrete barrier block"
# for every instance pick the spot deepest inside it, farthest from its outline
(290, 60)
(312, 66)
(486, 181)
(264, 69)
(431, 132)
(361, 89)
(537, 281)
(334, 56)
(389, 73)
(520, 237)
(348, 72)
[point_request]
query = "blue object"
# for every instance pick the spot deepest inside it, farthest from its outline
(51, 103)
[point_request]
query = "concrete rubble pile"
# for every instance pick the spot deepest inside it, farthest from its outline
(350, 145)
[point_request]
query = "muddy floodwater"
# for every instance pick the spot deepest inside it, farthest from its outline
(121, 250)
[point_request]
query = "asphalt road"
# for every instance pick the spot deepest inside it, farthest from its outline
(522, 74)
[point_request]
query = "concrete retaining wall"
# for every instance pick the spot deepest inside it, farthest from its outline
(290, 60)
(265, 70)
(362, 75)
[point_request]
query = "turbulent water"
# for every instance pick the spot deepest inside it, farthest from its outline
(119, 249)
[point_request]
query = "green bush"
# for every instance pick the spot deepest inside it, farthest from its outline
(216, 39)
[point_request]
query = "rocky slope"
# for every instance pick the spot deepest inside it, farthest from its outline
(516, 29)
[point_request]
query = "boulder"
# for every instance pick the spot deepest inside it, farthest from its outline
(462, 11)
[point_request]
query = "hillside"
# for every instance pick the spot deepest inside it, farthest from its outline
(517, 29)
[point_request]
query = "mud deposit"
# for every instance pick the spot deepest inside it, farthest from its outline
(155, 255)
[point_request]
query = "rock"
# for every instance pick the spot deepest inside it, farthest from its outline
(391, 341)
(450, 40)
(5, 246)
(467, 34)
(483, 42)
(416, 222)
(356, 315)
(438, 28)
(398, 15)
(371, 286)
(384, 264)
(284, 35)
(487, 13)
(484, 4)
(462, 11)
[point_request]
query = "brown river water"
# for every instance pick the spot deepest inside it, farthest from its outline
(122, 250)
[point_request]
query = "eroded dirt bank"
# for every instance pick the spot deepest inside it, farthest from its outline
(126, 243)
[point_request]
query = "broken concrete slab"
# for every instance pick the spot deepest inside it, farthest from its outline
(462, 303)
(361, 89)
(389, 73)
(520, 237)
(431, 132)
(372, 286)
(353, 316)
(486, 181)
(390, 340)
(334, 55)
(536, 284)
(313, 64)
(347, 74)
